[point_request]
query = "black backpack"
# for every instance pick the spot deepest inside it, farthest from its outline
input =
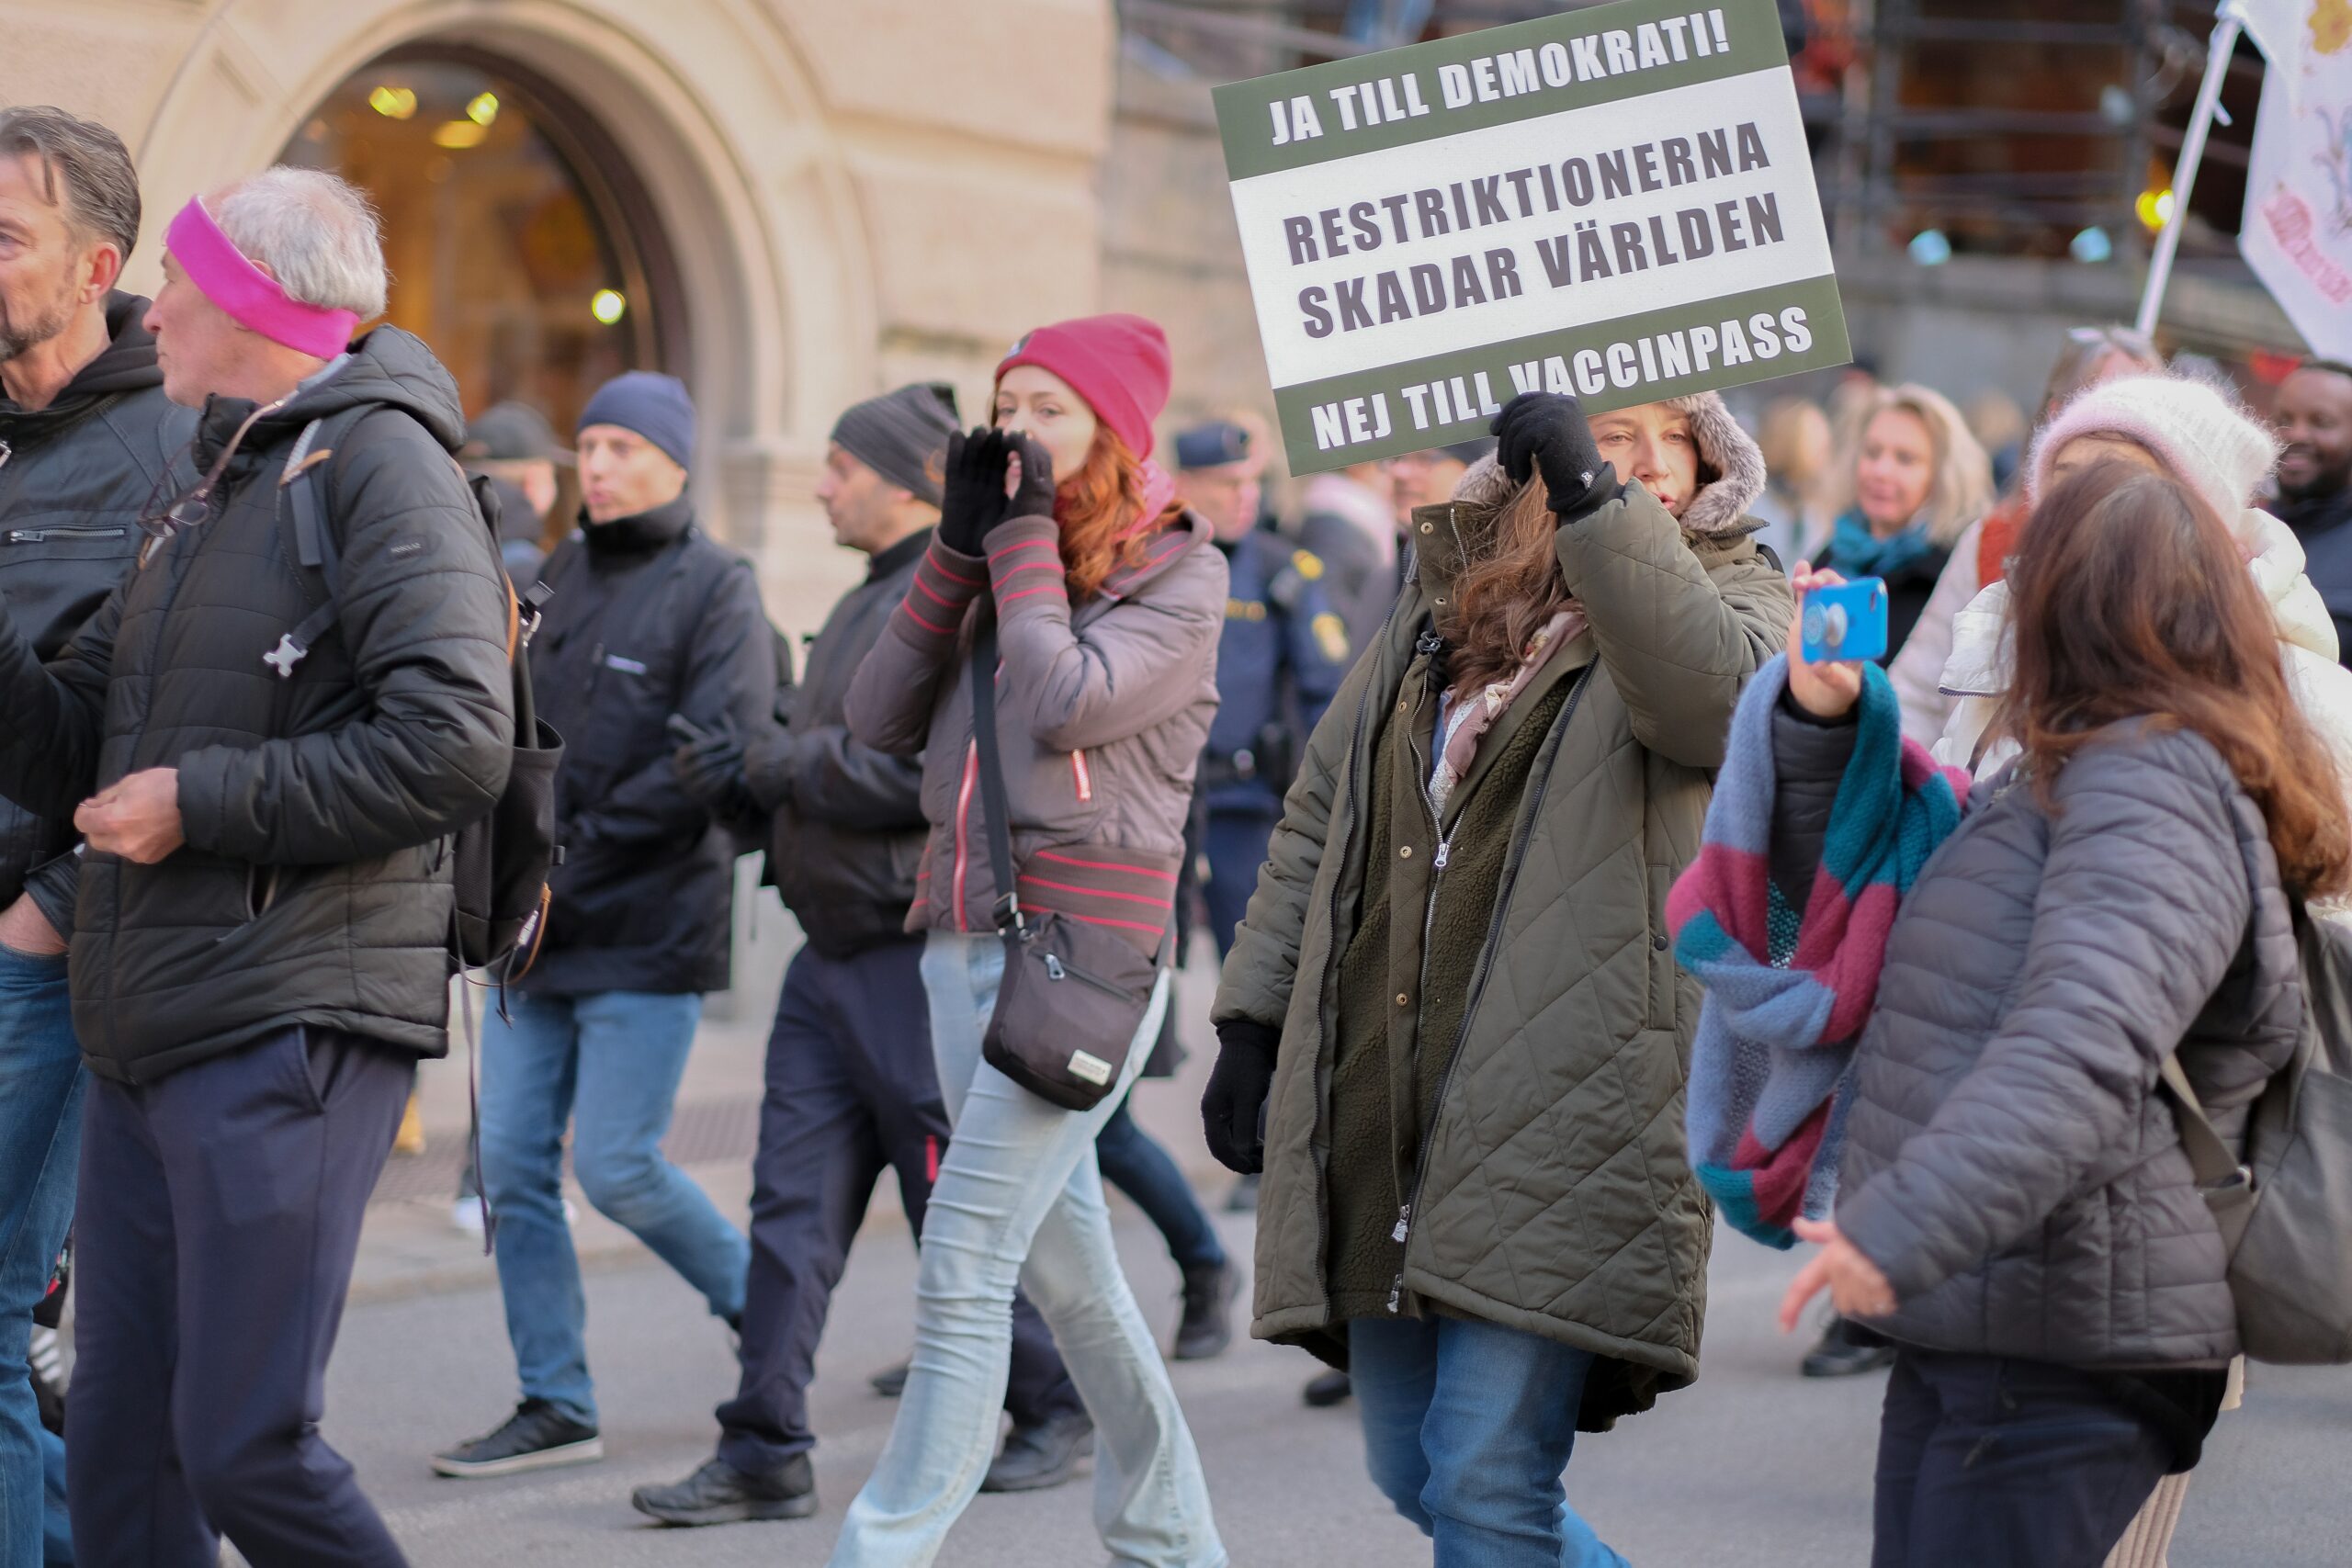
(501, 860)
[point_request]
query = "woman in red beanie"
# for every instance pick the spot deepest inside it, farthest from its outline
(1106, 605)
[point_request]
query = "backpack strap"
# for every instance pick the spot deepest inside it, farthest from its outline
(303, 482)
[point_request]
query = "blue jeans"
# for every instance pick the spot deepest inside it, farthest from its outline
(609, 1064)
(1133, 1161)
(1019, 1200)
(1467, 1427)
(40, 1143)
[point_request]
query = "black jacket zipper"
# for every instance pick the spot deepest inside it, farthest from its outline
(1520, 838)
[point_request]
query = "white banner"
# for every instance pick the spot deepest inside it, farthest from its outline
(2297, 230)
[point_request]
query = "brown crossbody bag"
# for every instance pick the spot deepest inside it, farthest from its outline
(1074, 992)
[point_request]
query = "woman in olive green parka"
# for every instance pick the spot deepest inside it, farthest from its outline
(1451, 1006)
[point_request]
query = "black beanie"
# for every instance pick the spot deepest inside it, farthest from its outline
(902, 435)
(654, 405)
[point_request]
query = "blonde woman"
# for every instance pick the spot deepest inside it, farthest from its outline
(1919, 480)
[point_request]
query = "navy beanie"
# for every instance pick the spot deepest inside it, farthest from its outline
(654, 405)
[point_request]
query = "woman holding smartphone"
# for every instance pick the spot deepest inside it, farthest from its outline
(2012, 1206)
(1106, 602)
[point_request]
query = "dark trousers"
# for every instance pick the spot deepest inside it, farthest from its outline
(219, 1217)
(852, 1092)
(1236, 847)
(1133, 1161)
(1985, 1460)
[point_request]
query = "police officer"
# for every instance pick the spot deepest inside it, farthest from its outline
(1283, 655)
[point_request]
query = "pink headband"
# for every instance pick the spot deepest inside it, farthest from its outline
(247, 295)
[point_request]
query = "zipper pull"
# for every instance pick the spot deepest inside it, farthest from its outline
(1403, 1223)
(1444, 847)
(1053, 967)
(1397, 1292)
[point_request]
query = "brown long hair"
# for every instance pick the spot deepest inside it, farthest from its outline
(2130, 598)
(1098, 508)
(1510, 584)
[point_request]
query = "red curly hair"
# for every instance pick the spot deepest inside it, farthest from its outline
(1099, 509)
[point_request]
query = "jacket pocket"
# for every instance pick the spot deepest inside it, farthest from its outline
(261, 890)
(1663, 971)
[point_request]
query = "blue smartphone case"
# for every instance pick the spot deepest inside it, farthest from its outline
(1845, 624)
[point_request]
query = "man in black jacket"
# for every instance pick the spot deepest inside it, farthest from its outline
(259, 945)
(2314, 419)
(851, 1091)
(651, 623)
(86, 436)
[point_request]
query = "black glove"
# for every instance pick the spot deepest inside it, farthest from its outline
(1547, 430)
(972, 498)
(710, 770)
(1235, 1105)
(1035, 497)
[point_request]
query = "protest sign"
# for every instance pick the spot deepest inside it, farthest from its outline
(1615, 202)
(2297, 230)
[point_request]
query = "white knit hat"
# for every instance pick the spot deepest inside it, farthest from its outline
(2199, 433)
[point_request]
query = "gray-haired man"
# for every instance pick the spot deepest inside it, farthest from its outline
(260, 939)
(86, 439)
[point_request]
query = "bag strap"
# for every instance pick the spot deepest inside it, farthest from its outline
(1007, 912)
(2217, 1166)
(315, 548)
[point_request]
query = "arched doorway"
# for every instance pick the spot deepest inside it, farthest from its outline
(521, 243)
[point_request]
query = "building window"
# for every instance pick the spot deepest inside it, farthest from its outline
(520, 246)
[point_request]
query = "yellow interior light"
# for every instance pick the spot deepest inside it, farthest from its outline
(394, 103)
(484, 109)
(2154, 207)
(608, 305)
(459, 134)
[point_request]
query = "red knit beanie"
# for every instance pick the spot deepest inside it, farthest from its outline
(1117, 363)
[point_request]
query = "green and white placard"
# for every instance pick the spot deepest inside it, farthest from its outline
(1615, 202)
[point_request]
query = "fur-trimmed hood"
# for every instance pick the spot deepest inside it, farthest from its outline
(1717, 510)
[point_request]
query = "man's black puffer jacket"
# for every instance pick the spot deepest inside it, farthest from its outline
(72, 478)
(648, 618)
(847, 833)
(314, 885)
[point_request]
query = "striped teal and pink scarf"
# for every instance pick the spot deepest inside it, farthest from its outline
(1788, 992)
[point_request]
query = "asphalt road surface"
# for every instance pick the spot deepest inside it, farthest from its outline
(1751, 1467)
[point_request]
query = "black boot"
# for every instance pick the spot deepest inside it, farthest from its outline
(1326, 1389)
(890, 1382)
(1846, 1349)
(1207, 1326)
(718, 1494)
(1041, 1456)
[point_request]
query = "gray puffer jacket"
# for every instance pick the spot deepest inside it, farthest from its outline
(2009, 1164)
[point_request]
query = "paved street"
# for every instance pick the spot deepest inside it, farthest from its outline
(1753, 1467)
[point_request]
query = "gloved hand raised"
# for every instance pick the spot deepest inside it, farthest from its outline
(1032, 494)
(1235, 1100)
(972, 498)
(1547, 431)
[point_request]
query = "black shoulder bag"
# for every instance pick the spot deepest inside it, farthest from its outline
(1074, 994)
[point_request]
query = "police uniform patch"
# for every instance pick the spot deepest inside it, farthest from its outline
(1330, 636)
